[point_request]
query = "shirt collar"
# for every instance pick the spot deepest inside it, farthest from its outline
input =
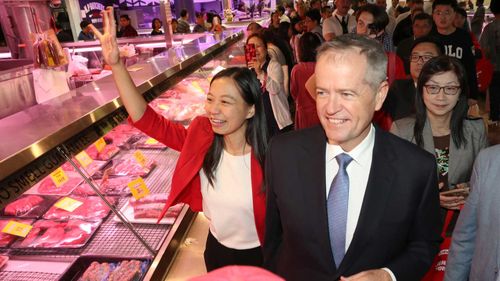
(360, 154)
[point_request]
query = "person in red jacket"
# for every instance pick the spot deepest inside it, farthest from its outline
(219, 170)
(305, 115)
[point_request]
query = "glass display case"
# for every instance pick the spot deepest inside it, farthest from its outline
(71, 173)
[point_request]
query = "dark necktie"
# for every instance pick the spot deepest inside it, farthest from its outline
(336, 205)
(343, 23)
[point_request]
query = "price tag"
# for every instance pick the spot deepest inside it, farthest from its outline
(140, 158)
(84, 159)
(100, 144)
(59, 177)
(68, 204)
(17, 228)
(138, 188)
(151, 141)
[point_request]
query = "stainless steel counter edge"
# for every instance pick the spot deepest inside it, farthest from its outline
(15, 160)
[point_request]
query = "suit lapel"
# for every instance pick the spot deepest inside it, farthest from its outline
(372, 211)
(313, 187)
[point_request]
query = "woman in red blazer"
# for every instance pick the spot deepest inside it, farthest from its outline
(219, 170)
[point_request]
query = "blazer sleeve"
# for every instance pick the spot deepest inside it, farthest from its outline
(424, 234)
(274, 231)
(163, 130)
(464, 236)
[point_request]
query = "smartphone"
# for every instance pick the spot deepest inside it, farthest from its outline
(457, 192)
(250, 52)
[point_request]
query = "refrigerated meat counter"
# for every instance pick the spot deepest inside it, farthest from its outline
(68, 230)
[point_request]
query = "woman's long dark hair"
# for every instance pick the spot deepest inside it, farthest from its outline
(256, 132)
(435, 66)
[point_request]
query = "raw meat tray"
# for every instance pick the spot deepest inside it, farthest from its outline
(78, 268)
(29, 206)
(58, 235)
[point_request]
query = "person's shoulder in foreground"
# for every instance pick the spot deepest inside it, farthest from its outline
(473, 252)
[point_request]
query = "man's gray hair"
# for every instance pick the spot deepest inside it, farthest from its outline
(376, 59)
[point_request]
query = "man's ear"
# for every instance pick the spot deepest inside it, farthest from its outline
(381, 94)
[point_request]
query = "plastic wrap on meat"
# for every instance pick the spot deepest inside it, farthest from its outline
(121, 134)
(3, 260)
(92, 209)
(152, 198)
(97, 272)
(48, 187)
(23, 206)
(143, 143)
(51, 234)
(110, 186)
(127, 271)
(130, 167)
(50, 238)
(148, 211)
(107, 152)
(7, 239)
(91, 169)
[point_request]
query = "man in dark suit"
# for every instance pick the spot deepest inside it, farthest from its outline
(346, 200)
(400, 101)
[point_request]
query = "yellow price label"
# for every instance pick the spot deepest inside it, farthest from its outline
(59, 177)
(151, 141)
(100, 144)
(140, 158)
(17, 228)
(138, 188)
(68, 204)
(84, 159)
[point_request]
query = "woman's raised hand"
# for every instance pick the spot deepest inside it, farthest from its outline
(109, 46)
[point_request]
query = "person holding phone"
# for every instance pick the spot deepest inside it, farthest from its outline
(271, 76)
(219, 170)
(442, 128)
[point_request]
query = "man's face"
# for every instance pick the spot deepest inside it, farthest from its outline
(381, 3)
(200, 20)
(124, 22)
(459, 20)
(419, 56)
(343, 6)
(345, 102)
(364, 20)
(443, 16)
(421, 28)
(310, 24)
(416, 5)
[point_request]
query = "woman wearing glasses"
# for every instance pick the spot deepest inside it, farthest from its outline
(441, 126)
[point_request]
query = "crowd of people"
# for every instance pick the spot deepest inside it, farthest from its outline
(340, 149)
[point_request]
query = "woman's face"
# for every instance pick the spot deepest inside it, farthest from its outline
(275, 18)
(157, 24)
(260, 49)
(174, 26)
(441, 104)
(299, 27)
(227, 111)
